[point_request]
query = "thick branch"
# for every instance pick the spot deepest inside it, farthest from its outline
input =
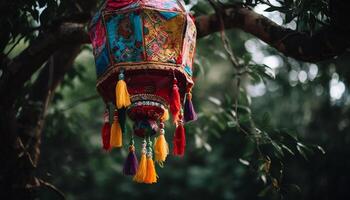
(325, 44)
(31, 59)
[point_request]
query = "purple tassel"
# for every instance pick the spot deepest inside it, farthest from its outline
(189, 112)
(131, 164)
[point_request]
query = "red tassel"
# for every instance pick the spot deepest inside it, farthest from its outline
(175, 104)
(179, 139)
(106, 133)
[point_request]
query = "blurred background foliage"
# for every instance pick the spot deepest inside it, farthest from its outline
(285, 136)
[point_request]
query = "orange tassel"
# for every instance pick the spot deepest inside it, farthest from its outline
(121, 92)
(161, 147)
(151, 175)
(142, 169)
(116, 139)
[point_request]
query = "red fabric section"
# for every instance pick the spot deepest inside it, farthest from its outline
(157, 82)
(119, 3)
(145, 112)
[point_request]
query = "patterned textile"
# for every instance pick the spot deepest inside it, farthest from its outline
(189, 46)
(172, 5)
(125, 37)
(148, 34)
(163, 35)
(98, 40)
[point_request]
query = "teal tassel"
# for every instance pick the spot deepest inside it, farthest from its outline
(122, 119)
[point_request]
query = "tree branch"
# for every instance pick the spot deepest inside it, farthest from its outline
(32, 58)
(53, 188)
(325, 44)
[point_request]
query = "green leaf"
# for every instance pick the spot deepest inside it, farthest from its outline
(214, 100)
(302, 152)
(320, 149)
(244, 162)
(278, 149)
(272, 8)
(266, 120)
(289, 17)
(264, 192)
(292, 188)
(287, 149)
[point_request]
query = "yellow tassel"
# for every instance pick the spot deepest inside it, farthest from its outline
(122, 94)
(151, 175)
(116, 139)
(142, 169)
(165, 116)
(161, 148)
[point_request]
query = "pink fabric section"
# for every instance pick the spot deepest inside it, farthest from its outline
(119, 3)
(98, 37)
(163, 4)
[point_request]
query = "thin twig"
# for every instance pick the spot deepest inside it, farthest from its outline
(79, 101)
(228, 49)
(235, 63)
(52, 187)
(25, 152)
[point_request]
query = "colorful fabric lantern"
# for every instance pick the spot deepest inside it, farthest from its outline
(144, 53)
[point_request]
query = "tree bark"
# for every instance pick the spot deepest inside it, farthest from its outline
(21, 143)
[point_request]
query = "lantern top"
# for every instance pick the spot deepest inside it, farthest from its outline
(143, 36)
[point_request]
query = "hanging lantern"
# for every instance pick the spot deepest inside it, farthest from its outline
(144, 52)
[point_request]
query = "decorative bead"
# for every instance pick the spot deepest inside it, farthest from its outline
(121, 75)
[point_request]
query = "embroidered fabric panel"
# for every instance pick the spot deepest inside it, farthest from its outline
(171, 5)
(124, 33)
(98, 41)
(98, 37)
(163, 33)
(102, 62)
(189, 46)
